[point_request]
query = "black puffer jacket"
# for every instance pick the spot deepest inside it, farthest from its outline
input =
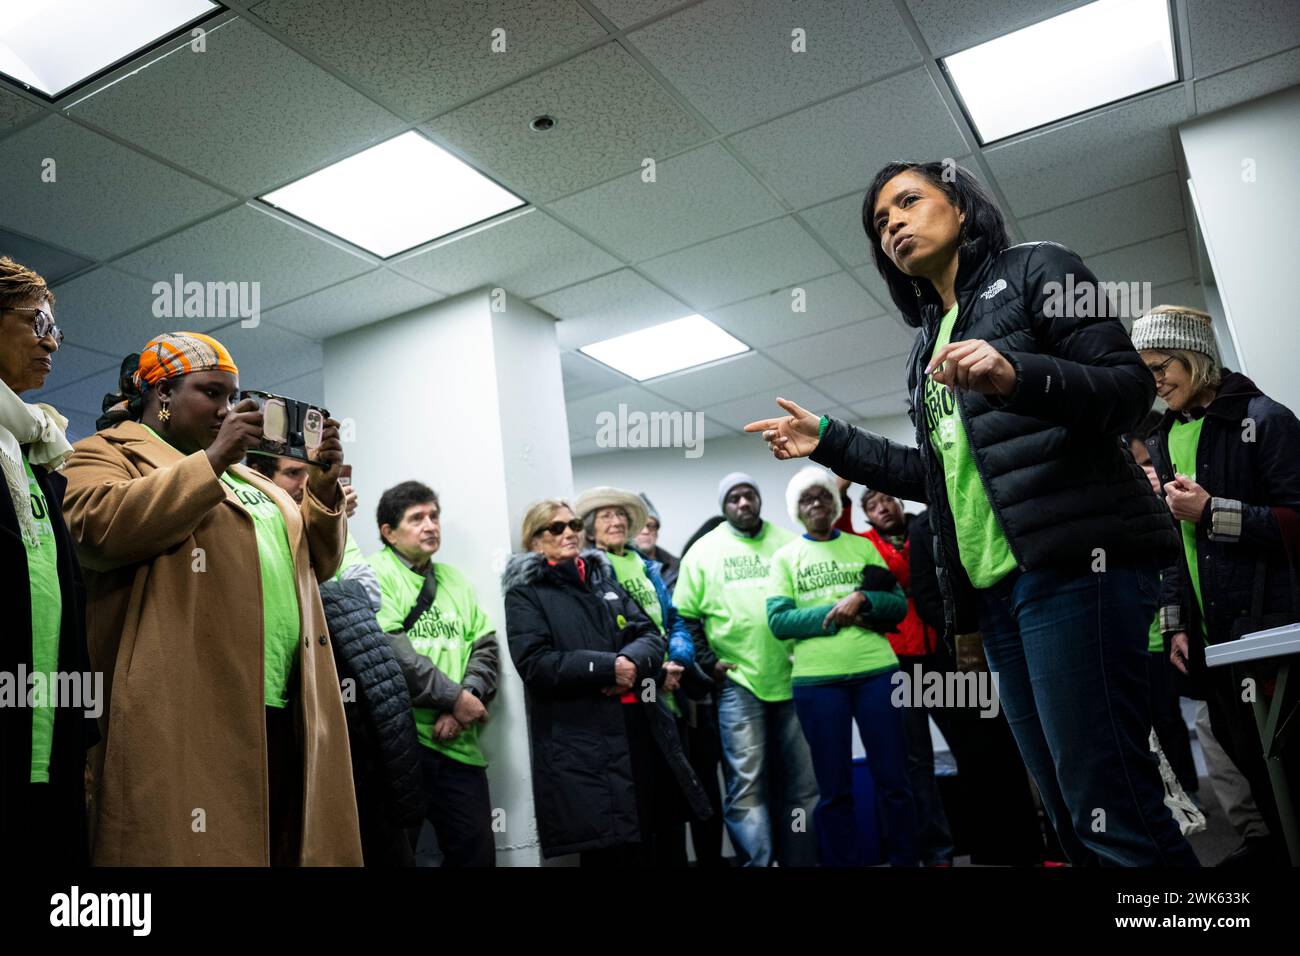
(381, 727)
(564, 636)
(1248, 460)
(1060, 485)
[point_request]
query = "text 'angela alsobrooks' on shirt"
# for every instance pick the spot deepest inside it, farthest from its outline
(723, 582)
(445, 633)
(811, 576)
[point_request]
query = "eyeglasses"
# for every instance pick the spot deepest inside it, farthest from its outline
(556, 528)
(42, 324)
(1159, 370)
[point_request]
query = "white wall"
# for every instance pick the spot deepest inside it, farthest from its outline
(1244, 165)
(685, 490)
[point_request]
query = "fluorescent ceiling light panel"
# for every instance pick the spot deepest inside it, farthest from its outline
(53, 45)
(1075, 62)
(670, 347)
(395, 196)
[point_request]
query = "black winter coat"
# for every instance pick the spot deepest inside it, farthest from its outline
(381, 728)
(1059, 484)
(1248, 460)
(564, 636)
(65, 844)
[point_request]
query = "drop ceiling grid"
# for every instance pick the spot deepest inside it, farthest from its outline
(1226, 49)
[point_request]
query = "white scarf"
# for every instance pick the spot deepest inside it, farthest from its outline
(42, 429)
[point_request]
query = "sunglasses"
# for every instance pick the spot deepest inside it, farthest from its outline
(42, 324)
(556, 528)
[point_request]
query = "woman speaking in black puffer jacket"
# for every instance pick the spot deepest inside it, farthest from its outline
(1049, 537)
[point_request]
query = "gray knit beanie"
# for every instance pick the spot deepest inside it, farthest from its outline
(1176, 327)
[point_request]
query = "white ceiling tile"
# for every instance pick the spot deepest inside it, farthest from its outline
(949, 27)
(1119, 218)
(14, 110)
(866, 382)
(1188, 293)
(307, 388)
(695, 196)
(744, 264)
(248, 113)
(585, 413)
(836, 147)
(624, 13)
(609, 116)
(584, 376)
(1123, 144)
(51, 263)
(267, 354)
(528, 253)
(104, 199)
(80, 425)
(697, 389)
(1248, 82)
(738, 413)
(876, 285)
(349, 305)
(113, 313)
(1226, 35)
(1158, 261)
(425, 57)
(610, 305)
(882, 407)
(72, 363)
(583, 447)
(829, 303)
(248, 244)
(85, 396)
(838, 349)
(839, 224)
(736, 63)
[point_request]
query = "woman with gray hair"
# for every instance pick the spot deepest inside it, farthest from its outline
(1228, 460)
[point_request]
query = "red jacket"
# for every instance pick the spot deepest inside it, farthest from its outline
(913, 638)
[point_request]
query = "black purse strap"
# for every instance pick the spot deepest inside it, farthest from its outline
(424, 601)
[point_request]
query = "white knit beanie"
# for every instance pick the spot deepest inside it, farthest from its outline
(804, 479)
(1176, 327)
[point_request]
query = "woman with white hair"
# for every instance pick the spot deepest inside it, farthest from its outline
(835, 596)
(1228, 458)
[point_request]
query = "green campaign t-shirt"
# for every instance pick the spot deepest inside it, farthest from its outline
(351, 555)
(629, 568)
(817, 574)
(723, 581)
(445, 634)
(984, 551)
(47, 616)
(281, 616)
(1184, 437)
(1155, 640)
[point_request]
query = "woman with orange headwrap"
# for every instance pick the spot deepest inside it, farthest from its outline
(224, 736)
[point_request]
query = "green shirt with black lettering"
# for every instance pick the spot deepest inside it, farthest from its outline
(723, 582)
(445, 633)
(811, 576)
(47, 617)
(985, 553)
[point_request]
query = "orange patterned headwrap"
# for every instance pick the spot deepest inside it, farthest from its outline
(180, 353)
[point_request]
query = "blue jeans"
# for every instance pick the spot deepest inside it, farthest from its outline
(827, 713)
(1069, 652)
(769, 774)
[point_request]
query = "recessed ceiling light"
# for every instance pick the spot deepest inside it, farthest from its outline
(541, 124)
(395, 196)
(50, 46)
(1088, 57)
(670, 347)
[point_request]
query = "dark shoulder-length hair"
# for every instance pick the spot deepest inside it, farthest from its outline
(983, 221)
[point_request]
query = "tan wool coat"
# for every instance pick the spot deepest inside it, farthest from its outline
(174, 621)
